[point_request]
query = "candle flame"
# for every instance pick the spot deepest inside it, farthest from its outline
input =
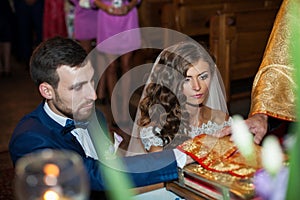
(50, 195)
(51, 170)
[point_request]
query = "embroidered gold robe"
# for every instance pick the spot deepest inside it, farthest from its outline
(273, 91)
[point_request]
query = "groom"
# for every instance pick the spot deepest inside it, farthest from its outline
(66, 82)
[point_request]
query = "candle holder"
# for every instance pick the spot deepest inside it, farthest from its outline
(51, 175)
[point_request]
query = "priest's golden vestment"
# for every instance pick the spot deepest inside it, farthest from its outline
(273, 91)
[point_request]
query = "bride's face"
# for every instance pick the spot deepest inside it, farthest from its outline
(196, 83)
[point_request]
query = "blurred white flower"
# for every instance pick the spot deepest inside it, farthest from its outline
(242, 137)
(272, 155)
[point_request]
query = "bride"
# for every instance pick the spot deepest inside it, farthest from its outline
(183, 97)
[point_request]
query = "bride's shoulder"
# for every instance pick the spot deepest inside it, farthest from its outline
(149, 129)
(151, 141)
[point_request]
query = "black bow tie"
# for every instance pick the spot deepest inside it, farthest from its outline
(71, 124)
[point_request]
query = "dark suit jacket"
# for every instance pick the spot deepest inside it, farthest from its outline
(38, 131)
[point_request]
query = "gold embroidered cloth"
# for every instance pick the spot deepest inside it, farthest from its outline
(242, 188)
(273, 88)
(221, 155)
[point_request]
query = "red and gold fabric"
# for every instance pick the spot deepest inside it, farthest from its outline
(221, 155)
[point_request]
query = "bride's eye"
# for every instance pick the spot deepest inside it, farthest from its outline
(203, 76)
(187, 79)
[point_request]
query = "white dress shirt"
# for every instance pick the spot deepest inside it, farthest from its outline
(81, 134)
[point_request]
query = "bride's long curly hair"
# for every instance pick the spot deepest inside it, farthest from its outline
(163, 104)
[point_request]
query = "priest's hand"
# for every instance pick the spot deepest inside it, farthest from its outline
(258, 126)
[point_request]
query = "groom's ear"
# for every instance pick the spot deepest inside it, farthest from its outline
(46, 90)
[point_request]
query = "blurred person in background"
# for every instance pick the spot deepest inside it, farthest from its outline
(114, 17)
(29, 17)
(85, 24)
(6, 32)
(54, 20)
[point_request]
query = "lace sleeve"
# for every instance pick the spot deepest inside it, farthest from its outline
(208, 128)
(228, 122)
(149, 139)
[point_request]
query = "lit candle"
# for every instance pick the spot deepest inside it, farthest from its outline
(51, 173)
(51, 195)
